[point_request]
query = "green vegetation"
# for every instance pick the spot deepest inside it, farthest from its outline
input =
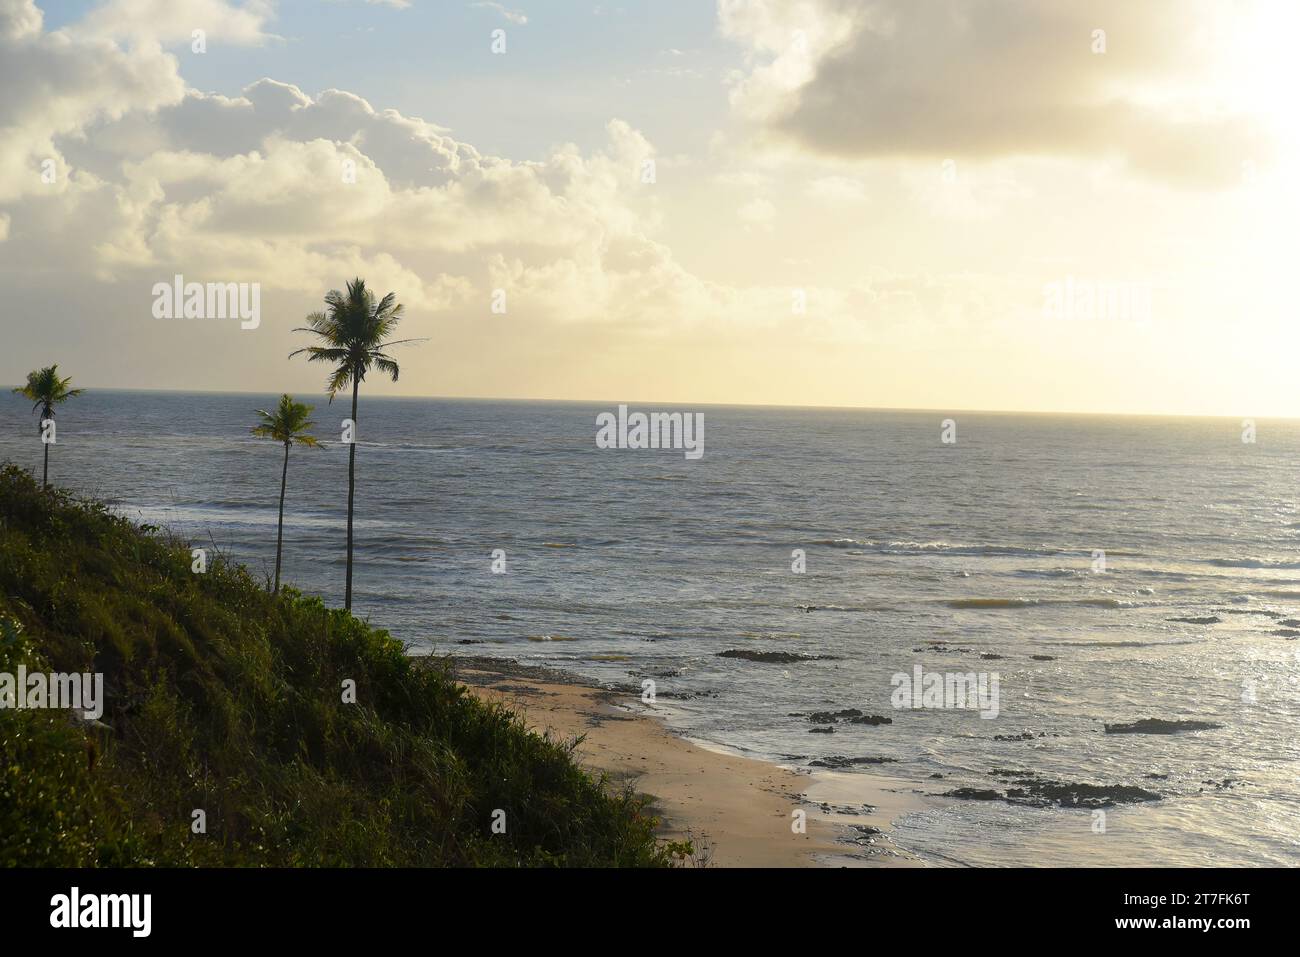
(46, 390)
(290, 423)
(355, 330)
(226, 698)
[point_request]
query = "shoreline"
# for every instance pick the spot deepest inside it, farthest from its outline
(738, 810)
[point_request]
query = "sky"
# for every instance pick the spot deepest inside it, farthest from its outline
(944, 204)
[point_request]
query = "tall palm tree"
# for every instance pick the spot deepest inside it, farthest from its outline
(46, 389)
(288, 423)
(355, 330)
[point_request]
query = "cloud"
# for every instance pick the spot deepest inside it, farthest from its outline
(295, 191)
(174, 21)
(517, 17)
(855, 79)
(55, 85)
(300, 191)
(19, 19)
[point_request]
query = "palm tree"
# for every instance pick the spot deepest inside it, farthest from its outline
(46, 389)
(288, 424)
(355, 330)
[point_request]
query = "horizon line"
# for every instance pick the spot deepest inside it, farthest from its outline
(725, 405)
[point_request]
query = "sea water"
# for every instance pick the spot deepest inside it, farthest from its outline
(1105, 570)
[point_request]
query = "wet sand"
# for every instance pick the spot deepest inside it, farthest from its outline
(738, 811)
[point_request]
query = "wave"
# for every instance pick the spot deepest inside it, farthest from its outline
(992, 602)
(942, 547)
(978, 603)
(955, 548)
(1251, 563)
(909, 547)
(1119, 644)
(1053, 572)
(249, 515)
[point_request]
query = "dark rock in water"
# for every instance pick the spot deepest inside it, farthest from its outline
(662, 673)
(624, 687)
(989, 656)
(1222, 785)
(848, 808)
(868, 833)
(684, 695)
(468, 641)
(851, 715)
(821, 730)
(831, 717)
(1158, 777)
(945, 649)
(1287, 633)
(1049, 793)
(936, 775)
(1043, 657)
(1201, 620)
(772, 657)
(1160, 726)
(1022, 736)
(974, 794)
(839, 761)
(1250, 611)
(1289, 623)
(1035, 793)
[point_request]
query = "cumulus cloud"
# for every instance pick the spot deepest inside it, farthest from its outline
(241, 184)
(517, 17)
(19, 18)
(299, 191)
(294, 191)
(174, 21)
(55, 85)
(989, 78)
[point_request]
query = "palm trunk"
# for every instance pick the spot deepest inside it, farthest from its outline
(279, 536)
(45, 479)
(352, 484)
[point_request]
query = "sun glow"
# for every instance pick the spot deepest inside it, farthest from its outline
(1262, 71)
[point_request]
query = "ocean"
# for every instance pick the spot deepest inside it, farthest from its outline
(1104, 570)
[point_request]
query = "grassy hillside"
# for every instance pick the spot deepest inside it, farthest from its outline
(223, 698)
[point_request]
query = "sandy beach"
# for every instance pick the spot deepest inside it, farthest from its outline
(738, 811)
